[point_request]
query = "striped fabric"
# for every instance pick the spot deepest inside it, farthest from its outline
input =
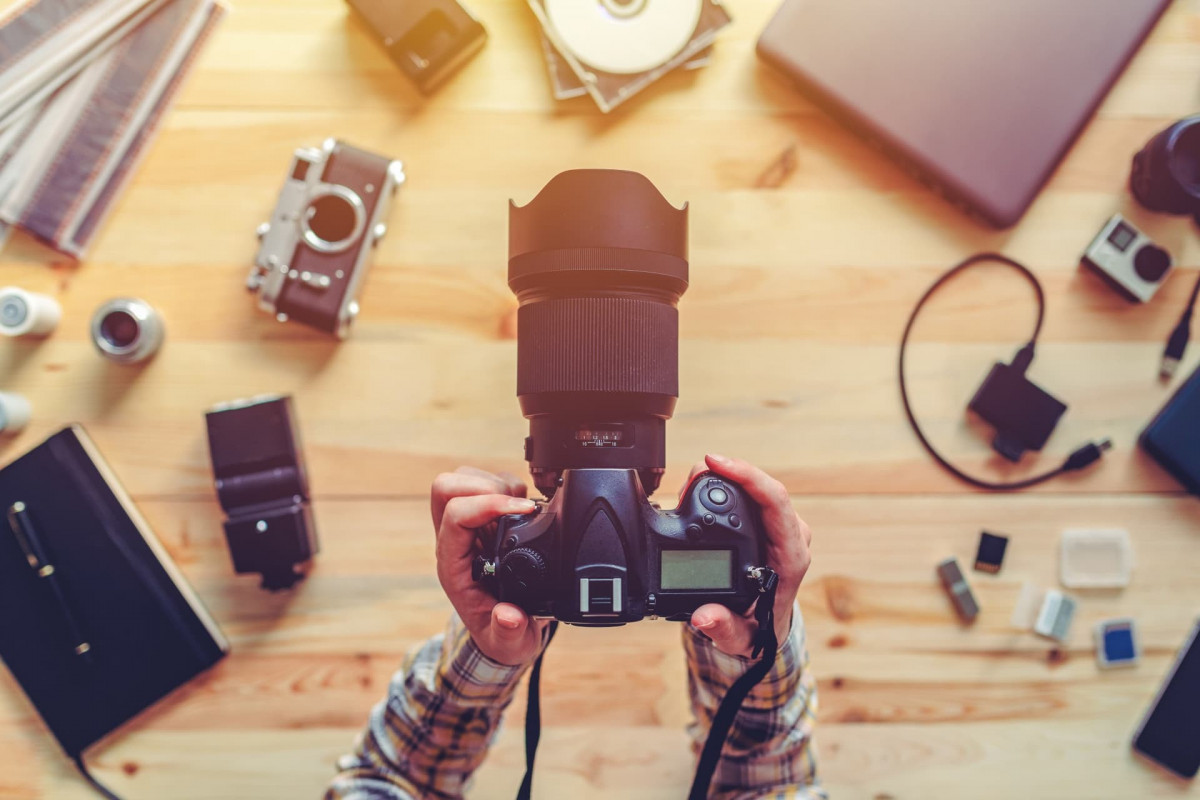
(769, 753)
(444, 706)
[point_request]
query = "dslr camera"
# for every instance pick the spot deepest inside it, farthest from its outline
(598, 262)
(313, 253)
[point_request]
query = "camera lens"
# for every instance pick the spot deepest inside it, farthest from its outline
(127, 330)
(1166, 172)
(333, 220)
(598, 261)
(1185, 157)
(1151, 263)
(119, 329)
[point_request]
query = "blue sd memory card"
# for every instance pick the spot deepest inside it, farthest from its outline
(1116, 643)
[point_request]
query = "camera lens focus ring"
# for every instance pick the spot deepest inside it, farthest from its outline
(598, 344)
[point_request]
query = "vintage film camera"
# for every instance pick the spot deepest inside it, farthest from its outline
(598, 261)
(313, 254)
(262, 484)
(1128, 260)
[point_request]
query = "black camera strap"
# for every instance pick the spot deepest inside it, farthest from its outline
(533, 716)
(765, 643)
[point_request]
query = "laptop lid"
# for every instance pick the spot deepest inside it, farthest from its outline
(978, 97)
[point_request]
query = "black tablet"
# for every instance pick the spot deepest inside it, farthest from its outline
(1170, 733)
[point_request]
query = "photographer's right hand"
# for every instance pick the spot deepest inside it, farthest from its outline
(501, 631)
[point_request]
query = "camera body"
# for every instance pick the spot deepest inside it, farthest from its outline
(314, 252)
(598, 262)
(599, 553)
(1128, 260)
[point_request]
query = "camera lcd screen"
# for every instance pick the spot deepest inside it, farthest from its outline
(1171, 733)
(697, 569)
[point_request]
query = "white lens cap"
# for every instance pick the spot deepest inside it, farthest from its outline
(14, 412)
(24, 313)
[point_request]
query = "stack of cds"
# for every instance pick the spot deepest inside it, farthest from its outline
(83, 86)
(612, 49)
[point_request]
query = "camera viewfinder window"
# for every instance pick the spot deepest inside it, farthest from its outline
(1121, 236)
(697, 569)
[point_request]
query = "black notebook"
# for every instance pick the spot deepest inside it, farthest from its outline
(96, 621)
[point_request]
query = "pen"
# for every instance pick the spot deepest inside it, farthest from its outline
(31, 545)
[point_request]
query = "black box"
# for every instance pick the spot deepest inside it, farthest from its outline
(1173, 437)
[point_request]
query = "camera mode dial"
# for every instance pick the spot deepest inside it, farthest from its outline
(522, 571)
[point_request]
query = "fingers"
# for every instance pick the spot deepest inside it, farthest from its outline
(788, 537)
(762, 488)
(697, 468)
(511, 483)
(463, 515)
(508, 623)
(516, 486)
(730, 633)
(467, 481)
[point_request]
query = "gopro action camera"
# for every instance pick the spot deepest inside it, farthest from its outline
(598, 261)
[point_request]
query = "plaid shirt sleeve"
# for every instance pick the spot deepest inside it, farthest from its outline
(432, 731)
(769, 753)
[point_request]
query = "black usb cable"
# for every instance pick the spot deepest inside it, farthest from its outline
(1178, 340)
(1083, 457)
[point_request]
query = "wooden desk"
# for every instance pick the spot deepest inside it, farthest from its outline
(790, 331)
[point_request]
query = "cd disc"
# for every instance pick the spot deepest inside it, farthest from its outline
(624, 36)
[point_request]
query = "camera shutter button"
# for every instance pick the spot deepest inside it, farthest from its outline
(718, 496)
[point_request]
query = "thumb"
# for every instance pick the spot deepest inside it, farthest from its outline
(730, 633)
(508, 624)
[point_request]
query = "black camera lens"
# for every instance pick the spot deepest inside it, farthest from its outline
(1166, 172)
(1151, 263)
(598, 261)
(119, 329)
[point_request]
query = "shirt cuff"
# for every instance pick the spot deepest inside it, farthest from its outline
(471, 677)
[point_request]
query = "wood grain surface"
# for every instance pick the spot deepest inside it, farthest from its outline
(800, 288)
